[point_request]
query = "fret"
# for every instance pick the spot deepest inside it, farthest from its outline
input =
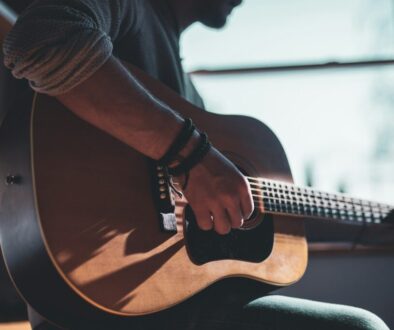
(319, 197)
(285, 198)
(275, 206)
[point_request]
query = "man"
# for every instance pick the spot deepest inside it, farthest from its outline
(72, 50)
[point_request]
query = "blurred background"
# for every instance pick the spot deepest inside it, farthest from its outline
(336, 124)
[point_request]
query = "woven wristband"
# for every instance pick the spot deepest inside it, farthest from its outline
(179, 143)
(194, 158)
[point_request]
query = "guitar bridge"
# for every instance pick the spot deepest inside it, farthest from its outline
(164, 199)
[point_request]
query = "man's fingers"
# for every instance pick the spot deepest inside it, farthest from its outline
(247, 205)
(204, 219)
(235, 215)
(221, 221)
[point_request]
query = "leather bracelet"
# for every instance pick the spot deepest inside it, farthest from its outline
(179, 143)
(194, 158)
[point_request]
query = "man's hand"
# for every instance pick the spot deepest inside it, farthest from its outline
(219, 194)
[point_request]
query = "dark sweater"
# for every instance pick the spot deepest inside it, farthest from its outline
(56, 44)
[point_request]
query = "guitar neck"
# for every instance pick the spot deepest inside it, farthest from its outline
(282, 198)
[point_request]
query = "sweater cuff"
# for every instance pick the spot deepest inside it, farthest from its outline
(57, 68)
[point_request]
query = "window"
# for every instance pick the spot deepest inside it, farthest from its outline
(337, 125)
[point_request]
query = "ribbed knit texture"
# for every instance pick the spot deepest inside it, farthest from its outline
(57, 45)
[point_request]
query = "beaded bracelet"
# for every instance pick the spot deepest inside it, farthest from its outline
(194, 158)
(179, 143)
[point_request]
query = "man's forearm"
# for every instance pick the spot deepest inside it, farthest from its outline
(114, 101)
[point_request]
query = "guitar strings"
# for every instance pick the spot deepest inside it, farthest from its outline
(312, 209)
(330, 213)
(320, 202)
(324, 205)
(339, 209)
(309, 193)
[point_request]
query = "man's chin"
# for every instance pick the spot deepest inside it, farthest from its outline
(216, 23)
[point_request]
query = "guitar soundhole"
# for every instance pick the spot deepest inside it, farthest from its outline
(254, 220)
(253, 245)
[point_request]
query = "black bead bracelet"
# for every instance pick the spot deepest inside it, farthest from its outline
(194, 158)
(179, 143)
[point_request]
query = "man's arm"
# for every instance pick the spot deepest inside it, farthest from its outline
(131, 113)
(114, 101)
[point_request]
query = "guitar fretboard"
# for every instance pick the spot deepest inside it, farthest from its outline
(282, 198)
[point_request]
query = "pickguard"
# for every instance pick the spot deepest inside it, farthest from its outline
(253, 245)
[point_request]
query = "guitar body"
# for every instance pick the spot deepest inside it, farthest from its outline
(84, 238)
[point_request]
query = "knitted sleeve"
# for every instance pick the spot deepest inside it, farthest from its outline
(57, 44)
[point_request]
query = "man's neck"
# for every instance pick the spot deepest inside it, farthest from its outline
(185, 12)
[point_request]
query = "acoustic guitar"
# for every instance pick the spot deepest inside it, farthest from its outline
(91, 228)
